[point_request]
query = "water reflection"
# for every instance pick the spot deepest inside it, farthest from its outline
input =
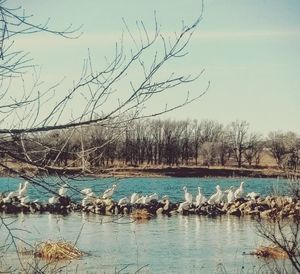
(181, 244)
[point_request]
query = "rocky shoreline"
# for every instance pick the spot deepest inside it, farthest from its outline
(268, 207)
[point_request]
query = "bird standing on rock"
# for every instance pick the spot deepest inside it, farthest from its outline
(230, 195)
(153, 196)
(22, 189)
(24, 201)
(217, 197)
(253, 195)
(87, 200)
(183, 206)
(123, 201)
(200, 198)
(134, 198)
(9, 197)
(108, 193)
(63, 190)
(187, 196)
(239, 192)
(86, 191)
(53, 200)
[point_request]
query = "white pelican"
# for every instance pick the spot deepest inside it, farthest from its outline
(123, 201)
(24, 200)
(200, 198)
(165, 205)
(86, 191)
(217, 197)
(139, 200)
(187, 196)
(239, 192)
(166, 201)
(53, 200)
(22, 189)
(63, 190)
(230, 195)
(146, 200)
(154, 196)
(87, 200)
(253, 195)
(134, 198)
(91, 194)
(9, 197)
(143, 200)
(108, 193)
(184, 206)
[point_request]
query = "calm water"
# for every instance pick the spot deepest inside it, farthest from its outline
(182, 244)
(162, 186)
(179, 244)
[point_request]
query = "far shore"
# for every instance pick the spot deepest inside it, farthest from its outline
(153, 171)
(194, 171)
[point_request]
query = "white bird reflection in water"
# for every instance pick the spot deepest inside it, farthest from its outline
(179, 244)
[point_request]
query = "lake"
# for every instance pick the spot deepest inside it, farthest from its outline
(177, 244)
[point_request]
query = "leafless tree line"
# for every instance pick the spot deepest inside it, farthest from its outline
(154, 142)
(46, 127)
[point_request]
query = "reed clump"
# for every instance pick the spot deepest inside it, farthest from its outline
(140, 215)
(57, 250)
(272, 252)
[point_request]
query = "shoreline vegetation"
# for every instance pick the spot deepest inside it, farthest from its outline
(154, 148)
(150, 171)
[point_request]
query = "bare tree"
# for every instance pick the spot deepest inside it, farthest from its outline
(223, 147)
(25, 121)
(284, 148)
(254, 149)
(210, 131)
(95, 88)
(277, 146)
(285, 233)
(208, 152)
(238, 139)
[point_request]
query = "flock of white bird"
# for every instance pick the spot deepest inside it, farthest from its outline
(229, 196)
(218, 197)
(90, 197)
(21, 194)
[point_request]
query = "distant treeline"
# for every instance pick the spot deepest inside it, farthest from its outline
(158, 142)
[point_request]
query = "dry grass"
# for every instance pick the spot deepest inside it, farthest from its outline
(140, 215)
(56, 251)
(272, 252)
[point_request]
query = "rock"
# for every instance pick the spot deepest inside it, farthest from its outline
(262, 207)
(270, 213)
(235, 211)
(252, 213)
(227, 206)
(108, 202)
(90, 208)
(191, 211)
(237, 204)
(64, 200)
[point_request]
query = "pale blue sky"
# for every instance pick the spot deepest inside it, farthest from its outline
(250, 51)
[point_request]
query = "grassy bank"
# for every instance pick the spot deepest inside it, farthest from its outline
(194, 171)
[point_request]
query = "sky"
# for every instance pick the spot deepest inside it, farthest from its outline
(250, 51)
